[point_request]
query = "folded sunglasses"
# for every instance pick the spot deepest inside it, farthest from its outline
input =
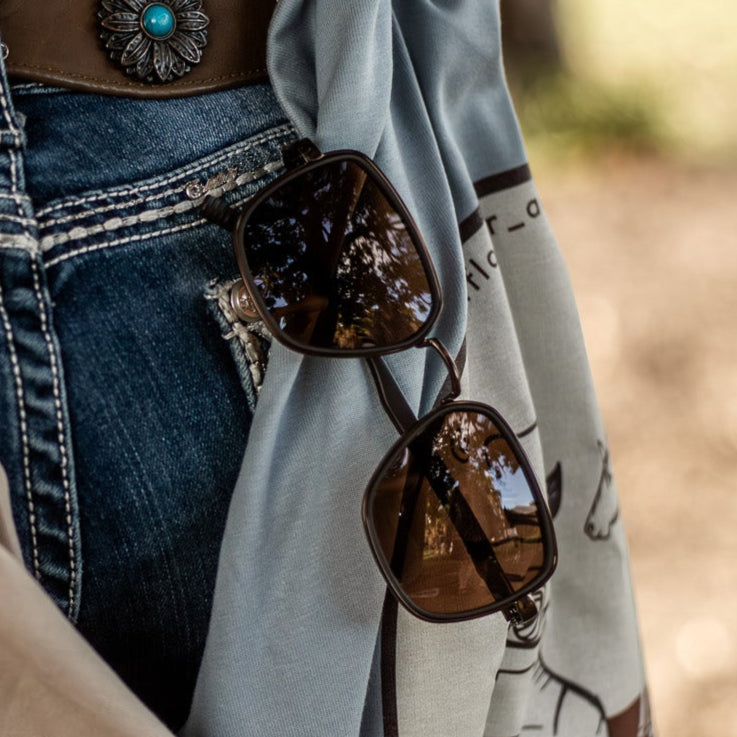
(334, 265)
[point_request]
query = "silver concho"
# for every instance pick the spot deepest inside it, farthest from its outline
(154, 40)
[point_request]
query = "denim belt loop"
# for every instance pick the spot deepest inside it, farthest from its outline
(35, 447)
(13, 202)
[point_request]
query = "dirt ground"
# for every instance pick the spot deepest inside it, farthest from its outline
(652, 250)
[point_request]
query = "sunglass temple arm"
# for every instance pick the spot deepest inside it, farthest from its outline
(217, 211)
(392, 399)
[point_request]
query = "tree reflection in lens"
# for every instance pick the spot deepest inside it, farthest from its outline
(335, 263)
(456, 517)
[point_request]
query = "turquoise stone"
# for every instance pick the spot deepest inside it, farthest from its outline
(158, 21)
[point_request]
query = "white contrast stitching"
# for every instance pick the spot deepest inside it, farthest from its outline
(20, 219)
(114, 206)
(61, 435)
(20, 395)
(132, 239)
(6, 113)
(17, 201)
(248, 176)
(147, 216)
(280, 132)
(22, 242)
(14, 180)
(80, 232)
(25, 445)
(17, 198)
(241, 179)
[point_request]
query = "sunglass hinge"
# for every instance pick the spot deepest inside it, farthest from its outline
(453, 373)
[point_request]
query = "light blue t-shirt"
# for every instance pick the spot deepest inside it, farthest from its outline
(296, 646)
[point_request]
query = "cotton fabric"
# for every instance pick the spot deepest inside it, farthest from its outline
(295, 645)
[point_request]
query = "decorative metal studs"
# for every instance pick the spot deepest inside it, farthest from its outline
(154, 41)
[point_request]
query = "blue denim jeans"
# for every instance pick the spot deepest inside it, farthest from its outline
(126, 385)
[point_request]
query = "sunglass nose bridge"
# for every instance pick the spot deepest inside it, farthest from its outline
(453, 373)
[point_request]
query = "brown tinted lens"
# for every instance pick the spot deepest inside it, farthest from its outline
(454, 517)
(335, 263)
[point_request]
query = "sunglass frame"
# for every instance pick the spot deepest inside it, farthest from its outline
(550, 552)
(388, 190)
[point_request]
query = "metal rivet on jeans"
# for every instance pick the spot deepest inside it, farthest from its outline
(240, 303)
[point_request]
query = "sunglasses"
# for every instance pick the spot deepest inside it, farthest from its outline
(333, 264)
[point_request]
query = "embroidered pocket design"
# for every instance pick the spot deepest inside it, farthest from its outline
(249, 340)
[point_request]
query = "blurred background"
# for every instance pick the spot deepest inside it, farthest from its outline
(629, 110)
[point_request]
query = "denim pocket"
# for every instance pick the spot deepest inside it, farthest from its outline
(157, 417)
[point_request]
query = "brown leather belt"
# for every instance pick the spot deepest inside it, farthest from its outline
(70, 43)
